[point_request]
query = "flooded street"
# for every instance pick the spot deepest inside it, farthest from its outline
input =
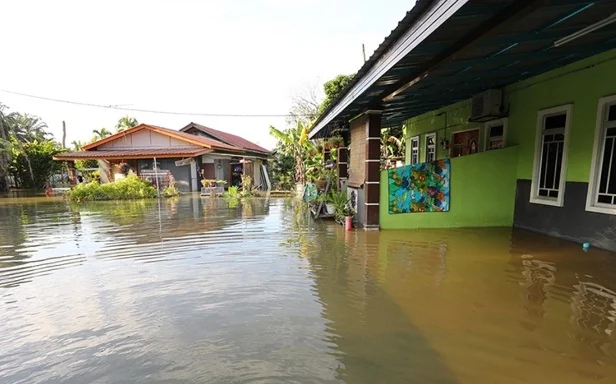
(194, 291)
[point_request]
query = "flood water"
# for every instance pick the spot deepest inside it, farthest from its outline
(192, 291)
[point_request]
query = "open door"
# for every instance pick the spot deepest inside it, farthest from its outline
(209, 170)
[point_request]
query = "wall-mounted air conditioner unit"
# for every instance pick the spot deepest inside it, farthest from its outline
(487, 106)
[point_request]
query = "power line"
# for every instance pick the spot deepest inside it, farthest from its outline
(120, 108)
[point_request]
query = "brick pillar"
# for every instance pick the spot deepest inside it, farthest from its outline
(373, 169)
(341, 163)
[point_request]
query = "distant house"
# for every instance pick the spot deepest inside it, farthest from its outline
(224, 167)
(181, 154)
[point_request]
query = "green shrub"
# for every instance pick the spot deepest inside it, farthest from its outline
(233, 193)
(129, 188)
(171, 191)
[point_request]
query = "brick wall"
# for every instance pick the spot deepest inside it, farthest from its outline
(357, 152)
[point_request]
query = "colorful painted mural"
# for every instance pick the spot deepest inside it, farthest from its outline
(420, 187)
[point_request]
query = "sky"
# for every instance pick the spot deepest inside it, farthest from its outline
(207, 56)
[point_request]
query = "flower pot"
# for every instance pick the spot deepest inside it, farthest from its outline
(348, 223)
(321, 184)
(330, 208)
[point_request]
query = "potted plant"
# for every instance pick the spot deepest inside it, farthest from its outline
(339, 200)
(330, 208)
(348, 212)
(336, 142)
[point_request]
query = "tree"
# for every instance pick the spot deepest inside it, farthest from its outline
(282, 168)
(77, 145)
(32, 163)
(100, 133)
(294, 142)
(18, 130)
(27, 128)
(333, 88)
(125, 123)
(4, 159)
(305, 105)
(26, 151)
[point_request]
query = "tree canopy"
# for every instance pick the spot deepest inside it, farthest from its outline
(333, 88)
(125, 123)
(26, 150)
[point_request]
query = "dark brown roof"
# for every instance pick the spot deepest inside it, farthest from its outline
(144, 153)
(228, 138)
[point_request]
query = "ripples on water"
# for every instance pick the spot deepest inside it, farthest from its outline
(192, 291)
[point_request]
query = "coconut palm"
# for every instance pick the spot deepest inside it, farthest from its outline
(101, 133)
(27, 128)
(125, 123)
(77, 145)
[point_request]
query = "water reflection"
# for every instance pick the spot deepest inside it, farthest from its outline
(195, 290)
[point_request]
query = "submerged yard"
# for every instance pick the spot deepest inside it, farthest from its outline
(192, 291)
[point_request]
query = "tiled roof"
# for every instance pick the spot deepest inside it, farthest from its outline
(133, 153)
(228, 138)
(204, 140)
(193, 139)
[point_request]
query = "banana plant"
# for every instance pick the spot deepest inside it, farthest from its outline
(295, 143)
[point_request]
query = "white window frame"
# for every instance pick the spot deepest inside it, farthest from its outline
(592, 205)
(486, 141)
(433, 135)
(411, 140)
(534, 195)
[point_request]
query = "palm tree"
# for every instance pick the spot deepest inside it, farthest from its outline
(101, 133)
(125, 123)
(16, 130)
(4, 156)
(77, 145)
(27, 128)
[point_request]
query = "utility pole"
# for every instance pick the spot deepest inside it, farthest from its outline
(63, 134)
(363, 51)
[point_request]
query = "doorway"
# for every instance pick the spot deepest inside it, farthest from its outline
(209, 171)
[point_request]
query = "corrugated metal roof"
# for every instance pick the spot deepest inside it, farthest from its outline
(134, 153)
(484, 44)
(228, 138)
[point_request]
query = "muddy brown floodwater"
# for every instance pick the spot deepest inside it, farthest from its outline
(194, 291)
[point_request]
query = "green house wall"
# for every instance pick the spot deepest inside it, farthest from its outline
(482, 190)
(483, 185)
(582, 84)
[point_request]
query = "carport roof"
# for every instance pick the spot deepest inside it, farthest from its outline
(445, 51)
